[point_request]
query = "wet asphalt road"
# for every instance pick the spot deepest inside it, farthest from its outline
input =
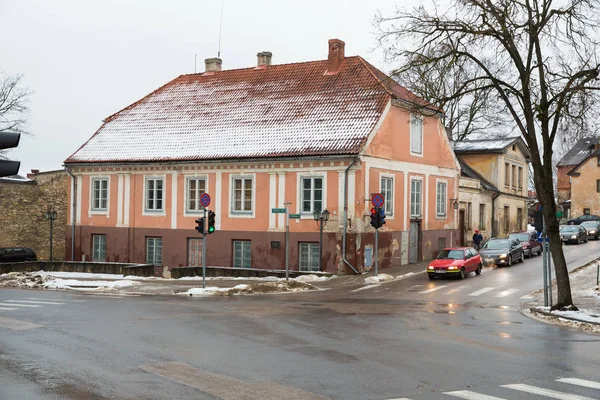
(415, 339)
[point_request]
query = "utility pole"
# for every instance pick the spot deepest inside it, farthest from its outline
(287, 240)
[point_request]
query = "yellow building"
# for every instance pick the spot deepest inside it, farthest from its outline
(585, 184)
(493, 186)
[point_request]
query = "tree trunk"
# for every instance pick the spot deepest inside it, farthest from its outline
(546, 197)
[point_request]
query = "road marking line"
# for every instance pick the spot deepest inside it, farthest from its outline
(416, 286)
(580, 382)
(507, 292)
(546, 392)
(482, 291)
(468, 395)
(8, 309)
(458, 289)
(32, 301)
(18, 305)
(40, 298)
(17, 325)
(433, 289)
(400, 398)
(366, 287)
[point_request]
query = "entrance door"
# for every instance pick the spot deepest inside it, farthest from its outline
(413, 250)
(461, 228)
(194, 258)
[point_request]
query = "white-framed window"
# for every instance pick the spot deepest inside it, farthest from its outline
(99, 196)
(242, 254)
(195, 187)
(416, 134)
(387, 190)
(416, 194)
(155, 194)
(154, 250)
(242, 196)
(441, 199)
(99, 248)
(309, 257)
(312, 194)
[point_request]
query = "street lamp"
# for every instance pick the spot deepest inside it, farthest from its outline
(50, 215)
(321, 217)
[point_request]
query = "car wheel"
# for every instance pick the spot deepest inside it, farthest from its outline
(510, 261)
(522, 258)
(539, 252)
(432, 277)
(586, 240)
(463, 274)
(478, 270)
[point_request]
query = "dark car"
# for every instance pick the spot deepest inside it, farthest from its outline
(502, 251)
(529, 241)
(573, 234)
(583, 218)
(455, 261)
(592, 228)
(17, 254)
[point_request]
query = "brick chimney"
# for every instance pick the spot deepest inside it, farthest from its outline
(33, 173)
(213, 64)
(335, 57)
(263, 59)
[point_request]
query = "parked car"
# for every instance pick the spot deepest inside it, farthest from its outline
(17, 254)
(502, 251)
(592, 228)
(455, 261)
(529, 241)
(573, 234)
(583, 218)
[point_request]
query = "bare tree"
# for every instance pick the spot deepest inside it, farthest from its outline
(474, 115)
(13, 104)
(540, 57)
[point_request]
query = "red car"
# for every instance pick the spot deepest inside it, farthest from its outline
(455, 261)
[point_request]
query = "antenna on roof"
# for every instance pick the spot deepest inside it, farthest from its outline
(221, 29)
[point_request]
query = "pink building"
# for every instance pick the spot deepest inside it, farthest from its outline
(318, 135)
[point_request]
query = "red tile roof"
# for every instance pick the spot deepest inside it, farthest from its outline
(276, 111)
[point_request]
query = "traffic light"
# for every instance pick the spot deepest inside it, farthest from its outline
(211, 221)
(375, 216)
(9, 140)
(381, 217)
(200, 225)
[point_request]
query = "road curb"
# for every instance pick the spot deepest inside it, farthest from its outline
(550, 314)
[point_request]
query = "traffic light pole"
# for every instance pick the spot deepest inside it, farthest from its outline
(204, 250)
(376, 251)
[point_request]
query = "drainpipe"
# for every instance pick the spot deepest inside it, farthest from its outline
(494, 197)
(74, 213)
(346, 215)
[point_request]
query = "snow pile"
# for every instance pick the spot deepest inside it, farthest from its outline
(255, 288)
(313, 278)
(585, 320)
(301, 278)
(23, 279)
(73, 284)
(378, 279)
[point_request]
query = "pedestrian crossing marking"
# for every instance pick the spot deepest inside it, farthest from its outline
(553, 394)
(365, 287)
(7, 309)
(433, 289)
(528, 297)
(33, 302)
(580, 382)
(482, 291)
(39, 298)
(468, 395)
(507, 292)
(458, 289)
(19, 305)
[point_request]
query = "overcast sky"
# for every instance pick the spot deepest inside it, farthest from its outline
(86, 60)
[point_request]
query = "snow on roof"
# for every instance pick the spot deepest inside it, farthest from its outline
(483, 144)
(580, 151)
(276, 111)
(15, 178)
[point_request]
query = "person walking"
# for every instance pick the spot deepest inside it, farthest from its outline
(477, 238)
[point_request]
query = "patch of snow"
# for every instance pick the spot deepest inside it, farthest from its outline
(378, 279)
(73, 284)
(584, 315)
(83, 275)
(313, 278)
(530, 228)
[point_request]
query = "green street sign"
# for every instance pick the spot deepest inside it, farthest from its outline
(559, 214)
(295, 216)
(278, 210)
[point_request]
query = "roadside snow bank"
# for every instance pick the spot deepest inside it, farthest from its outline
(585, 320)
(73, 284)
(254, 288)
(378, 279)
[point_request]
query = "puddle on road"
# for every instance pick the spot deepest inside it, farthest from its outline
(508, 322)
